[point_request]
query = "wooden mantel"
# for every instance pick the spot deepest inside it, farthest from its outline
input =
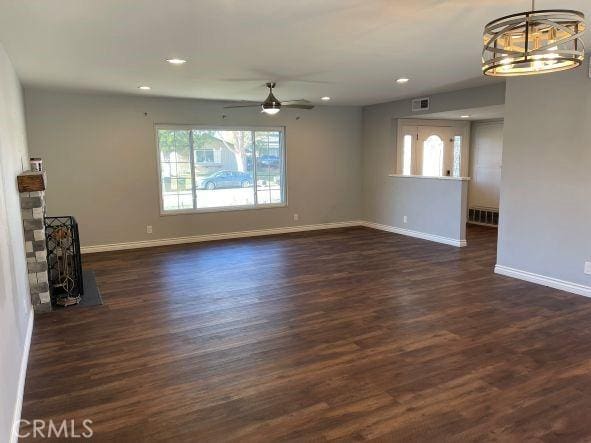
(32, 181)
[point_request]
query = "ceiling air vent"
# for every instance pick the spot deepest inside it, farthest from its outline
(421, 104)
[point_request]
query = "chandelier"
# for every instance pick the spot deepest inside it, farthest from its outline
(534, 42)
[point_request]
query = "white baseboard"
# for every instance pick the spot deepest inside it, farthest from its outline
(18, 407)
(271, 231)
(212, 237)
(422, 235)
(551, 282)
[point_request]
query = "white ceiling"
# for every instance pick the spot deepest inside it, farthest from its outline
(351, 50)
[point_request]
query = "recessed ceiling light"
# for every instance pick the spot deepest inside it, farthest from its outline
(144, 88)
(402, 80)
(325, 98)
(176, 61)
(464, 116)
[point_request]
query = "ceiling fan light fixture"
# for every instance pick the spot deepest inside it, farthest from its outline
(271, 111)
(271, 105)
(534, 42)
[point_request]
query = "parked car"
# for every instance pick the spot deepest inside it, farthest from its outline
(269, 160)
(226, 179)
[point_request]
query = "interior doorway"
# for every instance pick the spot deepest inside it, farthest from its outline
(486, 164)
(478, 157)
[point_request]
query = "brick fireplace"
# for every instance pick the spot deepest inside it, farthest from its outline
(32, 200)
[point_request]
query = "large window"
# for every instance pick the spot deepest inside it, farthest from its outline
(208, 169)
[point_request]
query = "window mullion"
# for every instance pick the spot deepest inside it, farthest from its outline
(254, 168)
(192, 159)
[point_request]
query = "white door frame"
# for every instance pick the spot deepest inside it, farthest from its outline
(405, 125)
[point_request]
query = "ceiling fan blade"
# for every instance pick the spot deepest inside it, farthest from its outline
(301, 101)
(243, 106)
(298, 106)
(244, 80)
(318, 82)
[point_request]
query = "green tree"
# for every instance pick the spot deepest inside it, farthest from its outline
(176, 141)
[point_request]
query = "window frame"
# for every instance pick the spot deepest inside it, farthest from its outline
(412, 126)
(256, 205)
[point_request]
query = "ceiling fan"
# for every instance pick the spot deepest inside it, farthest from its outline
(272, 106)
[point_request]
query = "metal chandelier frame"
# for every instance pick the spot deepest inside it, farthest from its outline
(500, 57)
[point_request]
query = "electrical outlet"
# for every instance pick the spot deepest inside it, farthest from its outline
(405, 219)
(296, 217)
(149, 229)
(588, 267)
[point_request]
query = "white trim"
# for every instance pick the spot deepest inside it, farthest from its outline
(422, 235)
(551, 282)
(174, 212)
(439, 122)
(212, 237)
(432, 177)
(271, 231)
(18, 407)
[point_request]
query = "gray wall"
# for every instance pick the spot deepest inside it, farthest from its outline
(79, 136)
(15, 307)
(386, 199)
(546, 181)
(432, 206)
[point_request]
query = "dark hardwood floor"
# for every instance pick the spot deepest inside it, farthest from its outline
(345, 334)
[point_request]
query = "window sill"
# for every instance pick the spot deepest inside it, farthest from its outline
(220, 209)
(429, 177)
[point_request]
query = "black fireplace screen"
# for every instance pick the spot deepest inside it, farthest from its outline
(63, 260)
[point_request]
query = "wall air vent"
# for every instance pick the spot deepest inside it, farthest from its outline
(483, 216)
(421, 104)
